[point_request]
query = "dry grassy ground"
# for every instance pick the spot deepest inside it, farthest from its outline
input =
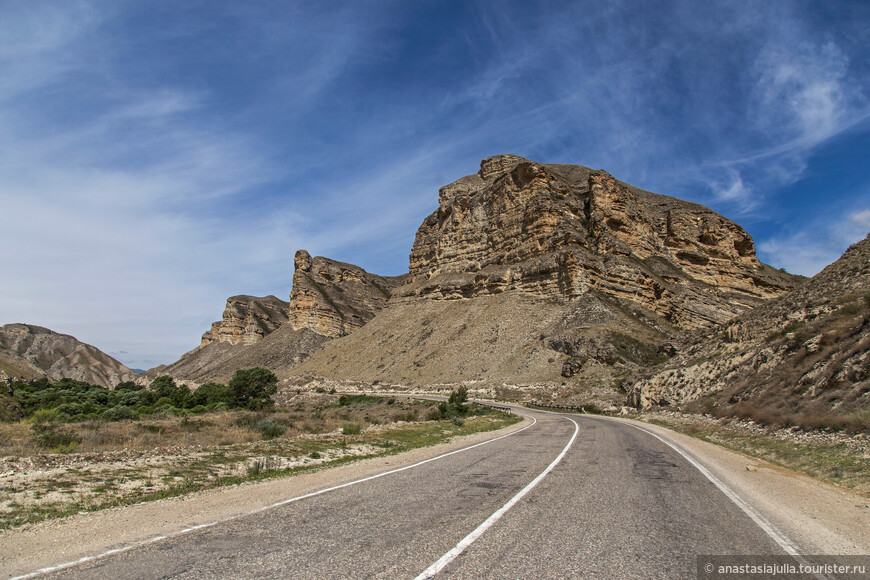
(131, 461)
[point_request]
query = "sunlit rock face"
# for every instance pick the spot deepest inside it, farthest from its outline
(559, 231)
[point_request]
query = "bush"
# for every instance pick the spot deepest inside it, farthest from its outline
(42, 416)
(52, 438)
(457, 399)
(270, 429)
(210, 394)
(119, 413)
(253, 388)
(351, 428)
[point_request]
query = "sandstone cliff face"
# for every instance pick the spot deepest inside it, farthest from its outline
(28, 349)
(554, 275)
(329, 299)
(247, 319)
(333, 298)
(807, 351)
(563, 230)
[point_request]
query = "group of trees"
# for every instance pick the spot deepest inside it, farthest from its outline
(77, 400)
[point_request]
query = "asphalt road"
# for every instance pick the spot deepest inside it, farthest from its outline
(619, 503)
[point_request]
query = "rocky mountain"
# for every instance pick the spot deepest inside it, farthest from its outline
(29, 352)
(804, 354)
(328, 299)
(557, 274)
(247, 319)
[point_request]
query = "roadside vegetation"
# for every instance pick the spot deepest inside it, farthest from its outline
(830, 456)
(54, 463)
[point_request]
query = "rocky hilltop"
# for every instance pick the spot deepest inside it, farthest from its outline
(333, 298)
(806, 353)
(552, 274)
(247, 319)
(564, 230)
(328, 299)
(29, 352)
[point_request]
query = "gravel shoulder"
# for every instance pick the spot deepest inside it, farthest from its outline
(819, 518)
(54, 542)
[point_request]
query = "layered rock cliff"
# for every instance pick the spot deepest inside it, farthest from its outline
(806, 352)
(328, 299)
(563, 230)
(28, 351)
(552, 274)
(334, 298)
(247, 319)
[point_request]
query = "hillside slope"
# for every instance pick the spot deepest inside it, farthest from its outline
(806, 353)
(28, 351)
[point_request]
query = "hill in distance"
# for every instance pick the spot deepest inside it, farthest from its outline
(32, 352)
(328, 299)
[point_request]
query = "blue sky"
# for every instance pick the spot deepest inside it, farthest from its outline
(158, 157)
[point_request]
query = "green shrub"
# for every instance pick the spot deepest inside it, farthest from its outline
(270, 429)
(458, 398)
(42, 416)
(351, 428)
(210, 394)
(119, 413)
(55, 439)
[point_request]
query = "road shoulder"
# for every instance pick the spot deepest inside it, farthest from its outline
(819, 518)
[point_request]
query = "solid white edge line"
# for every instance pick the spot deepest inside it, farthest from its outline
(756, 517)
(482, 528)
(262, 509)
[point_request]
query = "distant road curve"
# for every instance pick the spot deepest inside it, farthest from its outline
(569, 496)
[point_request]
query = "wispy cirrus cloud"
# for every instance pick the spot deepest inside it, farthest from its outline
(159, 158)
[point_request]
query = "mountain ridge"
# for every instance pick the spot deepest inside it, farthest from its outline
(29, 351)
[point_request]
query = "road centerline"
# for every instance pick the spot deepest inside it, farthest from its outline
(451, 555)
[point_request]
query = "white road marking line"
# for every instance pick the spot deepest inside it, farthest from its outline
(258, 510)
(482, 528)
(756, 517)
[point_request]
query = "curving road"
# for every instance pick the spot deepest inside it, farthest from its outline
(617, 502)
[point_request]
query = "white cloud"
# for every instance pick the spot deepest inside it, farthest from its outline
(861, 219)
(734, 191)
(817, 244)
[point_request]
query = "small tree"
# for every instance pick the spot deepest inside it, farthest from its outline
(457, 399)
(253, 388)
(211, 393)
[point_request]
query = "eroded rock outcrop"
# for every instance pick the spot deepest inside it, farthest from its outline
(29, 351)
(563, 230)
(334, 298)
(554, 275)
(247, 320)
(328, 299)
